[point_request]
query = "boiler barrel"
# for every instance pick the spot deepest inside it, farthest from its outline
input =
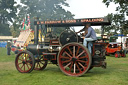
(32, 48)
(37, 49)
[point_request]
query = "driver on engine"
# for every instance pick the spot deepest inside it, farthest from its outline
(89, 36)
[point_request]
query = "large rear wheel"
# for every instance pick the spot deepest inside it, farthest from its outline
(74, 59)
(25, 62)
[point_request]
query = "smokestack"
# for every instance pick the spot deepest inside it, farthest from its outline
(36, 32)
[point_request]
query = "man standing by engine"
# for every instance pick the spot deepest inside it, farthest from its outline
(89, 37)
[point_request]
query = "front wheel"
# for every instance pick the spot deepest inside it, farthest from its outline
(25, 62)
(74, 59)
(117, 55)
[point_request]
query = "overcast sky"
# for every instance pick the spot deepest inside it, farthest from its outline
(89, 9)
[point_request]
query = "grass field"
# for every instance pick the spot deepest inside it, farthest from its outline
(115, 74)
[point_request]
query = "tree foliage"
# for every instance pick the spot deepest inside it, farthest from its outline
(122, 5)
(45, 10)
(4, 30)
(98, 31)
(119, 21)
(14, 29)
(7, 14)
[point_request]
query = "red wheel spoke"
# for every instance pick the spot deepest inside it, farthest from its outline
(77, 51)
(66, 61)
(28, 61)
(27, 66)
(20, 59)
(24, 67)
(71, 67)
(81, 65)
(82, 61)
(20, 63)
(69, 50)
(73, 51)
(80, 54)
(82, 57)
(67, 65)
(64, 57)
(78, 67)
(26, 57)
(68, 54)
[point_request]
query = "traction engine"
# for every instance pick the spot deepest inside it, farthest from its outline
(66, 51)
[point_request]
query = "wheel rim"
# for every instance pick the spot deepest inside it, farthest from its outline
(24, 62)
(40, 63)
(74, 59)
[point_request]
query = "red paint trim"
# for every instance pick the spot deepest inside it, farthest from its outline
(55, 40)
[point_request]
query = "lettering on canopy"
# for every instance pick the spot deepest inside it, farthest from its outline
(71, 21)
(92, 20)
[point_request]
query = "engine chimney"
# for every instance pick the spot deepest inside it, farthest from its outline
(36, 32)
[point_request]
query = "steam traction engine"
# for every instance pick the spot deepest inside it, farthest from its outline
(66, 51)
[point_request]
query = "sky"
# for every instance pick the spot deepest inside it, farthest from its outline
(89, 9)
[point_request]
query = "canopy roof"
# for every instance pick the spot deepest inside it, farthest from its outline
(75, 22)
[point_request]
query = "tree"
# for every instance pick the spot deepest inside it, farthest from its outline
(4, 30)
(7, 14)
(121, 8)
(45, 9)
(116, 23)
(14, 29)
(118, 20)
(98, 31)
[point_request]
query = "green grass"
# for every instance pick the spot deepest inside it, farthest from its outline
(115, 74)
